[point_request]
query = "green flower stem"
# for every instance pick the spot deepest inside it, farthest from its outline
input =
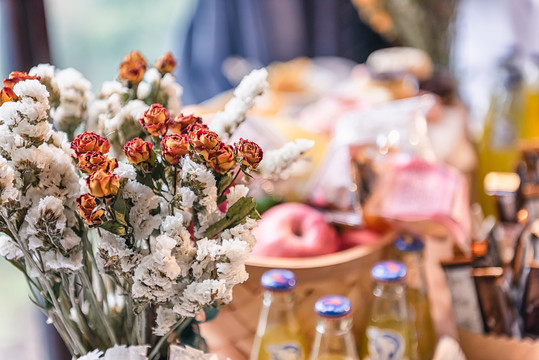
(180, 326)
(83, 321)
(98, 308)
(74, 342)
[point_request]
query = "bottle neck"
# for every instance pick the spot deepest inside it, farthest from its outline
(334, 339)
(334, 327)
(278, 308)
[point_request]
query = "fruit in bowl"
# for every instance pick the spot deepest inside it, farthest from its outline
(294, 230)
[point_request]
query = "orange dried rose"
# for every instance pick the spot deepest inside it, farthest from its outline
(138, 150)
(166, 63)
(17, 76)
(7, 95)
(192, 130)
(87, 209)
(102, 183)
(174, 146)
(155, 120)
(89, 141)
(93, 161)
(133, 67)
(206, 143)
(251, 154)
(180, 123)
(223, 159)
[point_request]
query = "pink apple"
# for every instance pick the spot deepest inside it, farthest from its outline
(294, 230)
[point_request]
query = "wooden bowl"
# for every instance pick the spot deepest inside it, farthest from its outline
(343, 273)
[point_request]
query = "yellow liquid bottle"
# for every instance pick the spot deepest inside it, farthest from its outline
(529, 128)
(389, 331)
(278, 334)
(334, 339)
(504, 125)
(410, 252)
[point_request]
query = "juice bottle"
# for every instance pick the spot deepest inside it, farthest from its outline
(278, 335)
(410, 252)
(529, 128)
(497, 148)
(389, 332)
(334, 339)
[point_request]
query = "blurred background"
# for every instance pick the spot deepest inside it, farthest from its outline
(209, 37)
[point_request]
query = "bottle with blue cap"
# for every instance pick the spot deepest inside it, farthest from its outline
(389, 333)
(278, 335)
(410, 253)
(334, 339)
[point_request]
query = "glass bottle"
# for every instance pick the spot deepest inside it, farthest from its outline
(389, 332)
(278, 335)
(334, 339)
(530, 126)
(497, 148)
(410, 252)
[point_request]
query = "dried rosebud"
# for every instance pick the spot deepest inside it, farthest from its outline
(17, 76)
(102, 183)
(133, 67)
(206, 143)
(7, 95)
(181, 122)
(251, 154)
(223, 159)
(192, 130)
(174, 146)
(89, 141)
(166, 63)
(93, 161)
(155, 120)
(138, 150)
(87, 210)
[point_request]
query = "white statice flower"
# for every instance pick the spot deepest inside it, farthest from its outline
(188, 197)
(75, 94)
(118, 352)
(32, 90)
(174, 226)
(125, 171)
(143, 90)
(144, 200)
(9, 249)
(155, 276)
(184, 251)
(53, 260)
(130, 113)
(114, 255)
(174, 91)
(109, 88)
(166, 318)
(252, 86)
(275, 162)
(199, 294)
(7, 179)
(189, 353)
(152, 76)
(235, 193)
(92, 355)
(46, 73)
(242, 231)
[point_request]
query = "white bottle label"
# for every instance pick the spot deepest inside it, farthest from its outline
(385, 344)
(286, 351)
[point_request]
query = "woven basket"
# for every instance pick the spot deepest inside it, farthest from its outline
(344, 273)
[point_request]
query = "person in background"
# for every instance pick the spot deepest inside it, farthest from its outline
(263, 31)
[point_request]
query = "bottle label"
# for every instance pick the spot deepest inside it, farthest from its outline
(286, 351)
(385, 344)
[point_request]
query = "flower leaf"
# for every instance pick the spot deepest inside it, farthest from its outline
(114, 227)
(243, 208)
(121, 210)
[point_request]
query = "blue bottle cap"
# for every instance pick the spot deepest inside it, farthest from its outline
(333, 306)
(409, 244)
(278, 280)
(388, 271)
